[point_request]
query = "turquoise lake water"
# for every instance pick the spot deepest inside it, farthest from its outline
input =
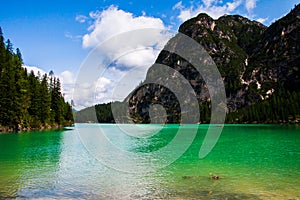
(252, 161)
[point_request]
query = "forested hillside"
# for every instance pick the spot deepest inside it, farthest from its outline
(28, 100)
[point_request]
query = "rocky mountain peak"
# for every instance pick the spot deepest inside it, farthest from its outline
(235, 20)
(254, 61)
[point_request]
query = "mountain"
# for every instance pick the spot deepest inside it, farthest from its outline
(259, 66)
(229, 41)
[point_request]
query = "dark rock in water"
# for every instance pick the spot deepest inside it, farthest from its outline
(187, 177)
(215, 177)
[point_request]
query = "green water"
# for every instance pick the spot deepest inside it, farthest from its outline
(253, 162)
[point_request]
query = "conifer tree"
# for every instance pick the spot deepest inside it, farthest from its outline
(45, 100)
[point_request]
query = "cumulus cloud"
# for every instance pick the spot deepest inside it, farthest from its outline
(113, 21)
(67, 80)
(35, 70)
(89, 93)
(211, 7)
(102, 88)
(67, 77)
(140, 57)
(134, 43)
(250, 5)
(85, 96)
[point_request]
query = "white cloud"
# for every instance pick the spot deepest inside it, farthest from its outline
(178, 6)
(113, 85)
(85, 92)
(81, 18)
(102, 88)
(67, 84)
(114, 21)
(35, 70)
(93, 92)
(211, 7)
(73, 37)
(208, 3)
(262, 20)
(67, 77)
(84, 97)
(141, 58)
(250, 5)
(185, 15)
(231, 6)
(130, 54)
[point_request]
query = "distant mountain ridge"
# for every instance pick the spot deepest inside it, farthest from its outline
(259, 66)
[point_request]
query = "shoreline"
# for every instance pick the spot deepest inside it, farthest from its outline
(8, 130)
(296, 124)
(278, 122)
(4, 129)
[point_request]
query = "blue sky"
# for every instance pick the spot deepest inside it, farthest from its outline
(59, 34)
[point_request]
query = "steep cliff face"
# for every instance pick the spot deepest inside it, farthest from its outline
(276, 57)
(254, 61)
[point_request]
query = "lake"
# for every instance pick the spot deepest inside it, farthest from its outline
(252, 161)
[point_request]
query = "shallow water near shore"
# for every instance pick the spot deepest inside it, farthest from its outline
(252, 161)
